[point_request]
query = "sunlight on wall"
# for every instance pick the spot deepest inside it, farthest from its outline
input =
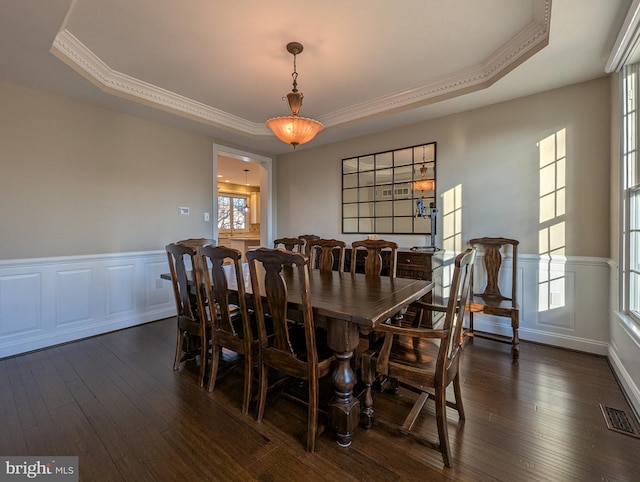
(451, 230)
(452, 219)
(552, 239)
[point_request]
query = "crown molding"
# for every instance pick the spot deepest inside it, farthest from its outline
(78, 56)
(529, 41)
(526, 43)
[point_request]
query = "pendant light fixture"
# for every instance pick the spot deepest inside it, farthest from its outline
(246, 189)
(293, 129)
(424, 184)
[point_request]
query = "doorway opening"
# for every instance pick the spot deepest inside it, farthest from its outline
(261, 168)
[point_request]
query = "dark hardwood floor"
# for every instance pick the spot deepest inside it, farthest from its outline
(115, 402)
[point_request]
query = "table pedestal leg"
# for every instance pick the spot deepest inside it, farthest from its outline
(344, 408)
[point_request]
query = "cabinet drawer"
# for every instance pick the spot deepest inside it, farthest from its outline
(413, 265)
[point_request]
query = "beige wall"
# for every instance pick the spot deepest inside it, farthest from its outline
(78, 179)
(492, 153)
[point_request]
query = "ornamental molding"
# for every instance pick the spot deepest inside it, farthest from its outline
(521, 47)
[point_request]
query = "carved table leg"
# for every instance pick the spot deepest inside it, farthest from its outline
(344, 408)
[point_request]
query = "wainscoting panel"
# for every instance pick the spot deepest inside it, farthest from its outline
(47, 301)
(120, 289)
(20, 303)
(156, 288)
(73, 296)
(563, 301)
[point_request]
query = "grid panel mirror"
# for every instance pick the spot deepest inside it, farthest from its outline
(381, 191)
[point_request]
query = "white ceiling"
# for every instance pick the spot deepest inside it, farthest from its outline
(221, 67)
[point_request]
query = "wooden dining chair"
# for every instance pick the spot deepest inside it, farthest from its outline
(307, 240)
(196, 242)
(230, 323)
(323, 254)
(491, 301)
(424, 361)
(290, 244)
(192, 339)
(380, 258)
(374, 264)
(281, 351)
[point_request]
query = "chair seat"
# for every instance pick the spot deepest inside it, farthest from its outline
(486, 305)
(409, 356)
(415, 352)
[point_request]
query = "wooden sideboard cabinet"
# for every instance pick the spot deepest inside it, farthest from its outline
(426, 265)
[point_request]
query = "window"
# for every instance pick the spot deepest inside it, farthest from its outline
(232, 213)
(634, 252)
(630, 190)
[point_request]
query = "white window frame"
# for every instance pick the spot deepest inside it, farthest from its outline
(630, 193)
(233, 196)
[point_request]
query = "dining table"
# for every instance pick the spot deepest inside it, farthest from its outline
(347, 304)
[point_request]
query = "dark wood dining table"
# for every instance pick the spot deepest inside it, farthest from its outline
(347, 304)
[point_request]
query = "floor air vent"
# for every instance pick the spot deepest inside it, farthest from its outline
(618, 421)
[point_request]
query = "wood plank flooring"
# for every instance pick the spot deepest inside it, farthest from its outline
(115, 402)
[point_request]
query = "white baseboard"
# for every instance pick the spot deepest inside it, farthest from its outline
(563, 340)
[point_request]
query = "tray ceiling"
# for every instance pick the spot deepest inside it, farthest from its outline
(222, 68)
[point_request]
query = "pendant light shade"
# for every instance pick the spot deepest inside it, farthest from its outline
(293, 129)
(424, 185)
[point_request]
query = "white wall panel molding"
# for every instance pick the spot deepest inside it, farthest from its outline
(20, 303)
(47, 301)
(73, 296)
(563, 301)
(120, 289)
